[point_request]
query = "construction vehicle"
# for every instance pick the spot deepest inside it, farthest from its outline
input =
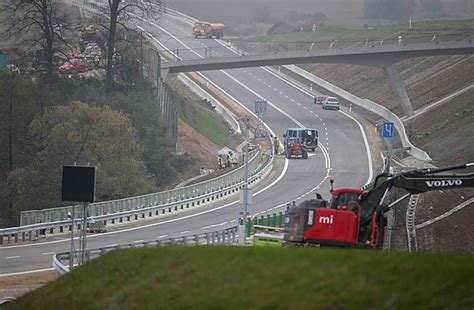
(298, 141)
(356, 218)
(208, 30)
(90, 33)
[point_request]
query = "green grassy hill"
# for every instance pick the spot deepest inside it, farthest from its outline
(234, 277)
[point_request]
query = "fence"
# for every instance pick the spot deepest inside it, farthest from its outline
(168, 112)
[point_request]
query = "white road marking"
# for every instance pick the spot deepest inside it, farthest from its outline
(111, 245)
(48, 253)
(25, 272)
(184, 232)
(12, 257)
(162, 236)
(138, 241)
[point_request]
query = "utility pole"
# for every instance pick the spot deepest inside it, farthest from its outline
(78, 184)
(245, 201)
(71, 254)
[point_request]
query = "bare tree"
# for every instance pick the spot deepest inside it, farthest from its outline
(39, 25)
(122, 15)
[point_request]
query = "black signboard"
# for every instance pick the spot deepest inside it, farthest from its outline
(78, 183)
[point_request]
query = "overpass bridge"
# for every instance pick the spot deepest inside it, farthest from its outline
(378, 56)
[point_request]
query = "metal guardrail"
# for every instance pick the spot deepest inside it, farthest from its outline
(226, 236)
(165, 198)
(235, 180)
(410, 223)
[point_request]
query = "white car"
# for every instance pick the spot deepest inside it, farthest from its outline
(331, 103)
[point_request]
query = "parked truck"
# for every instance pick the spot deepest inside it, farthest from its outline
(298, 141)
(208, 30)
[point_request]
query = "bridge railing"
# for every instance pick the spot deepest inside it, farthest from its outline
(264, 48)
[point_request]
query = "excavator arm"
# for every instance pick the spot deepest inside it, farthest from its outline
(415, 182)
(419, 181)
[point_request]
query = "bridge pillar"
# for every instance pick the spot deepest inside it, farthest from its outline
(399, 88)
(164, 73)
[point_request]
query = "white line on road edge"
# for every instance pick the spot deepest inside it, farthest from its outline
(25, 272)
(48, 253)
(367, 148)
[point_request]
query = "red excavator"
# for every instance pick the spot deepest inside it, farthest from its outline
(356, 218)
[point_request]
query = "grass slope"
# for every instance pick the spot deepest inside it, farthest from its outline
(235, 277)
(201, 118)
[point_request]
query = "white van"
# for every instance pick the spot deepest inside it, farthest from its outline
(331, 103)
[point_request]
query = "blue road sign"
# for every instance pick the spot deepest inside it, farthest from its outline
(388, 129)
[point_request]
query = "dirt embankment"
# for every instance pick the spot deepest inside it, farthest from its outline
(445, 132)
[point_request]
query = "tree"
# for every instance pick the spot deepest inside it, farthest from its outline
(391, 10)
(80, 134)
(40, 26)
(120, 12)
(18, 105)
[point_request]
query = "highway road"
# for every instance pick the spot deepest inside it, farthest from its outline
(343, 155)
